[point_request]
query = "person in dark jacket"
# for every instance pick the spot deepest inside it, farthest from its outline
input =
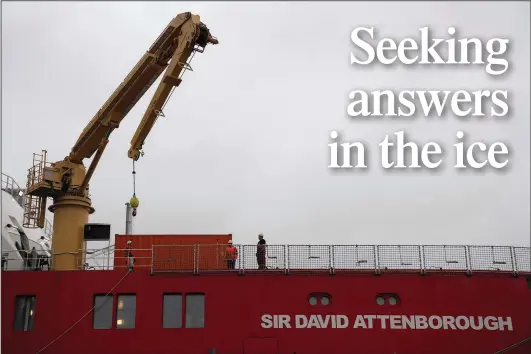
(261, 252)
(34, 259)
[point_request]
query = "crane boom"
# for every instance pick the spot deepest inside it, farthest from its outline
(170, 80)
(67, 181)
(176, 43)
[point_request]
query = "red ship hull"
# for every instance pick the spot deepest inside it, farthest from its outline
(235, 306)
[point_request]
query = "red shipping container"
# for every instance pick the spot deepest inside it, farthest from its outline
(173, 252)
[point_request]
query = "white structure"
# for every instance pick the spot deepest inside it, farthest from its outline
(19, 241)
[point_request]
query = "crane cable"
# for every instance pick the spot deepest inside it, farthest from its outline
(134, 180)
(133, 202)
(85, 315)
(515, 345)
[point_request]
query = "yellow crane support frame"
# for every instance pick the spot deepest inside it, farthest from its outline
(67, 181)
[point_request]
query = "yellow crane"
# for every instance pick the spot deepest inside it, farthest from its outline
(67, 181)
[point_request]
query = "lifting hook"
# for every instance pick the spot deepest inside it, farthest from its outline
(134, 202)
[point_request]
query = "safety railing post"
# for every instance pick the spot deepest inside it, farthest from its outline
(468, 261)
(376, 255)
(240, 258)
(195, 264)
(152, 258)
(287, 258)
(330, 259)
(513, 262)
(422, 258)
(243, 258)
(283, 259)
(109, 255)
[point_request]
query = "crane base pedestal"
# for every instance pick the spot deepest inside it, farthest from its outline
(70, 215)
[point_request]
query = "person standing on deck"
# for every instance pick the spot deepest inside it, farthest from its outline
(129, 258)
(261, 252)
(231, 254)
(34, 259)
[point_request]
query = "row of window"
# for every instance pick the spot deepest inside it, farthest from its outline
(173, 315)
(387, 299)
(172, 311)
(325, 299)
(319, 298)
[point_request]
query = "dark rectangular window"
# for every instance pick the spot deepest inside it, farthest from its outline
(172, 311)
(195, 310)
(102, 313)
(24, 312)
(126, 311)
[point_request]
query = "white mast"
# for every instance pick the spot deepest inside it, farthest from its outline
(128, 219)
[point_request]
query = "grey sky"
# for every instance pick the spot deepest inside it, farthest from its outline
(243, 147)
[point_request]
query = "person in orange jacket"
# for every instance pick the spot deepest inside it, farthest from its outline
(231, 254)
(129, 258)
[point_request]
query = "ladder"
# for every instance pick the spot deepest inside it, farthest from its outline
(34, 206)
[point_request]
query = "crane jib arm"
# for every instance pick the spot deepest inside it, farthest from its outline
(184, 34)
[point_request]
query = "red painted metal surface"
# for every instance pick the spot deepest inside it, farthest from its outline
(174, 257)
(260, 345)
(235, 305)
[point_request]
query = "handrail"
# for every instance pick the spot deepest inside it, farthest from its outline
(23, 260)
(345, 258)
(319, 258)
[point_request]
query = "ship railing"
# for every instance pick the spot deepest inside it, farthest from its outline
(22, 260)
(342, 259)
(310, 259)
(176, 258)
(111, 258)
(10, 186)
